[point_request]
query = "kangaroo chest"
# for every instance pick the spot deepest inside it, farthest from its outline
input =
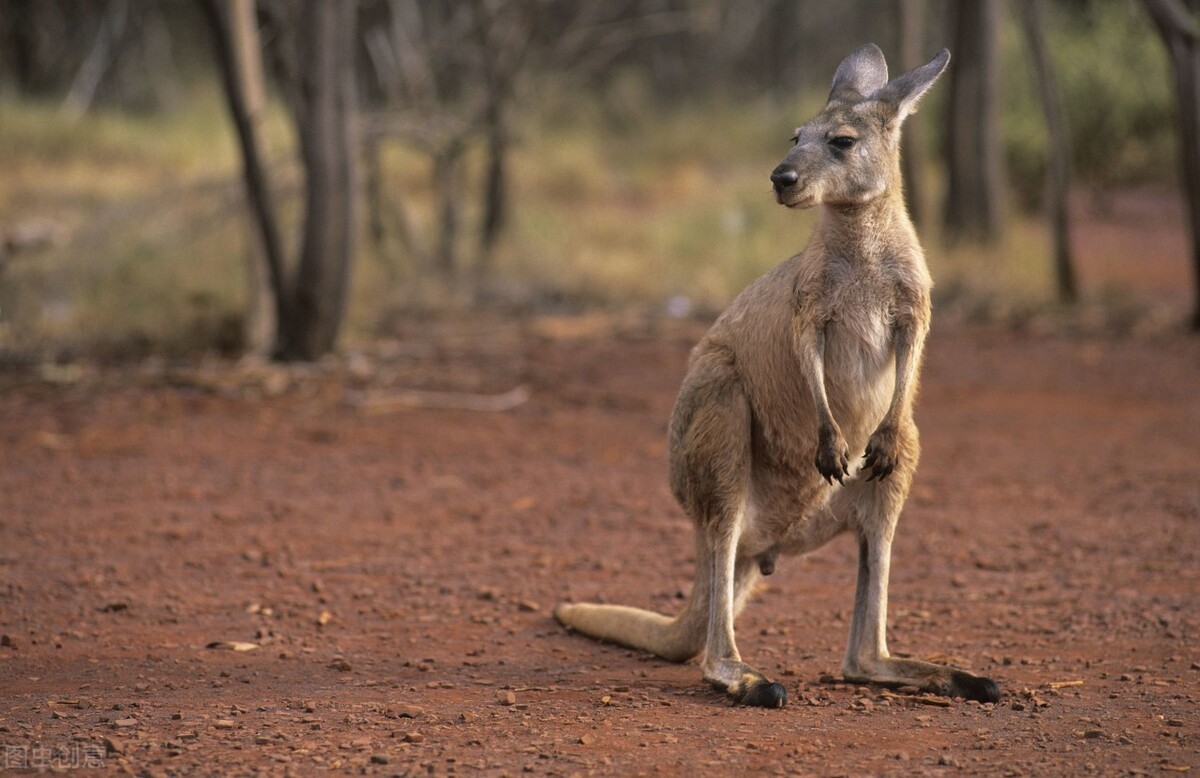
(859, 354)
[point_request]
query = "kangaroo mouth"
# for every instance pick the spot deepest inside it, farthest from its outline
(793, 197)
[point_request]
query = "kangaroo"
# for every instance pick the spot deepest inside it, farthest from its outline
(794, 422)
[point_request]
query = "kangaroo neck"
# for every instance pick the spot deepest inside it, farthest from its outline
(865, 232)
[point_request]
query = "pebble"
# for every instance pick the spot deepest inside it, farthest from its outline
(587, 740)
(223, 724)
(125, 723)
(414, 737)
(380, 759)
(113, 745)
(506, 698)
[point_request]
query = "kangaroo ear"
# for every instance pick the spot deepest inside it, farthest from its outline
(903, 92)
(862, 73)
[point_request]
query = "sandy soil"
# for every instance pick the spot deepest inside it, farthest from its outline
(392, 569)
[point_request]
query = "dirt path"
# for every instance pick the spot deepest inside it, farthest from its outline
(396, 569)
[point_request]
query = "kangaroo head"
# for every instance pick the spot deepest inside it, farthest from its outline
(849, 153)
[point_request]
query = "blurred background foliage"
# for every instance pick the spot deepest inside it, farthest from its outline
(637, 140)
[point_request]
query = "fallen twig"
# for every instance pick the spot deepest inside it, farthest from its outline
(461, 401)
(1064, 684)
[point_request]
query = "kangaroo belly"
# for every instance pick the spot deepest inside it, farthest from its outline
(859, 374)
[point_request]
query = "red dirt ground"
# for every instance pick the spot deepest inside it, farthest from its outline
(395, 567)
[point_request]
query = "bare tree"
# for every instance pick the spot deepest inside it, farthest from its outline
(1180, 32)
(913, 159)
(325, 119)
(309, 307)
(975, 187)
(258, 187)
(1058, 150)
(260, 322)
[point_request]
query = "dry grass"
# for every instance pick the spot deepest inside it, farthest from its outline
(630, 208)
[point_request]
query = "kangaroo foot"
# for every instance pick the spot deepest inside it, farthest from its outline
(746, 685)
(971, 687)
(939, 679)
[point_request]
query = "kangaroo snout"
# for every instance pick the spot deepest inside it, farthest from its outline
(783, 177)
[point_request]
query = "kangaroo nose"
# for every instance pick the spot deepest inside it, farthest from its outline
(784, 176)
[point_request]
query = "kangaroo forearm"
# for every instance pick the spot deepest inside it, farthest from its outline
(909, 341)
(812, 364)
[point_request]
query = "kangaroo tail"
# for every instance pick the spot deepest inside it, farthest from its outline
(675, 639)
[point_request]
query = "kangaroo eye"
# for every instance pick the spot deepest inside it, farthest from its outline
(842, 142)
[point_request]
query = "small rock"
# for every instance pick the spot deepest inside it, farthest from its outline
(261, 740)
(123, 723)
(528, 606)
(1016, 705)
(6, 641)
(1093, 734)
(324, 618)
(466, 718)
(177, 716)
(414, 737)
(224, 724)
(1174, 722)
(340, 664)
(113, 745)
(380, 759)
(506, 698)
(587, 740)
(409, 711)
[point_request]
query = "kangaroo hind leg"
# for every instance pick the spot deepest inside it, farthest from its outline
(733, 580)
(873, 509)
(710, 466)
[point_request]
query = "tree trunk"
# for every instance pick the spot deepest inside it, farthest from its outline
(1058, 151)
(325, 68)
(258, 189)
(447, 175)
(495, 196)
(913, 159)
(98, 61)
(975, 188)
(259, 327)
(1180, 32)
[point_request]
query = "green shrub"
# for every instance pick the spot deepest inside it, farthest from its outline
(1116, 90)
